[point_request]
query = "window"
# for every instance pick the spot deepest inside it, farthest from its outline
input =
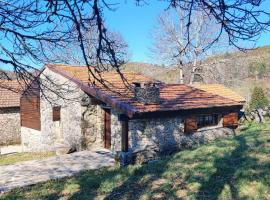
(207, 120)
(56, 113)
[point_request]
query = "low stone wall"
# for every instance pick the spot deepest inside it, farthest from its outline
(150, 138)
(10, 126)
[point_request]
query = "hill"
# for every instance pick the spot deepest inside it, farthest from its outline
(5, 74)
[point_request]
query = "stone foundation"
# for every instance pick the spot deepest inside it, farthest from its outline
(10, 126)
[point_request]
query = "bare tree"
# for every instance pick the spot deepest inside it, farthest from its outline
(71, 54)
(27, 26)
(174, 45)
(169, 41)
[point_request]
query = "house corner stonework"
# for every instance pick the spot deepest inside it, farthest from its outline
(10, 126)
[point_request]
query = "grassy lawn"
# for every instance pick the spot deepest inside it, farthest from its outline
(19, 157)
(233, 168)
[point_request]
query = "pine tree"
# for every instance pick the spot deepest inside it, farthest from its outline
(258, 98)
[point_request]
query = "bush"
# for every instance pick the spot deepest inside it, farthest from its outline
(258, 99)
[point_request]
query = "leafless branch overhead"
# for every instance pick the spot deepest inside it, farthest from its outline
(28, 26)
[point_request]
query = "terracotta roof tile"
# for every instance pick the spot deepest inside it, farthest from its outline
(220, 90)
(9, 94)
(173, 96)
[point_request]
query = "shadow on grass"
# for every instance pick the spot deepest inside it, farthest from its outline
(146, 180)
(126, 183)
(228, 165)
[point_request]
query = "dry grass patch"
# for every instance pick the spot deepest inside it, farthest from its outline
(20, 157)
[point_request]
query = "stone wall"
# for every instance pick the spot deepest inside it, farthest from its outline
(149, 138)
(92, 127)
(116, 131)
(10, 126)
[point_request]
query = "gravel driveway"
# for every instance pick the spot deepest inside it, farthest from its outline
(35, 171)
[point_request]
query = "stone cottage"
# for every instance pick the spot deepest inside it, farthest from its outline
(9, 112)
(136, 116)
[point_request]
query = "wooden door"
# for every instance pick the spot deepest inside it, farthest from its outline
(107, 128)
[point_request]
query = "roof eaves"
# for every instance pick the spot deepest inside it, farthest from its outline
(185, 109)
(13, 106)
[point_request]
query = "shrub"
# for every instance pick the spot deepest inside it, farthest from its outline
(258, 98)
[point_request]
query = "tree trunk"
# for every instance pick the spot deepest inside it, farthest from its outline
(181, 78)
(192, 76)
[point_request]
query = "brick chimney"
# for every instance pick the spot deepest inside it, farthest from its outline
(147, 93)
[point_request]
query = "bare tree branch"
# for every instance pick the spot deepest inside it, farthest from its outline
(27, 27)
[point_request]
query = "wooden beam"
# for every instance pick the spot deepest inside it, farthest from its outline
(185, 113)
(124, 142)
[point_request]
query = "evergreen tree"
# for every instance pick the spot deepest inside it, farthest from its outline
(258, 98)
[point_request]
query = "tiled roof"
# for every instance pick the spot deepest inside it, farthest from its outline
(173, 96)
(9, 94)
(220, 90)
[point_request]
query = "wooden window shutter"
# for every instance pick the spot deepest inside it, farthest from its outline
(190, 124)
(56, 113)
(30, 111)
(230, 120)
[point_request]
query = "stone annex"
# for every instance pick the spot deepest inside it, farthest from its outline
(10, 113)
(138, 118)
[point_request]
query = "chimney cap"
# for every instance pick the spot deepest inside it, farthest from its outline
(136, 84)
(149, 93)
(147, 84)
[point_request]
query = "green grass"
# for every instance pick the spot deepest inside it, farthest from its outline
(19, 157)
(232, 168)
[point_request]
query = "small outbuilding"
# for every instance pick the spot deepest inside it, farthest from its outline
(134, 115)
(9, 112)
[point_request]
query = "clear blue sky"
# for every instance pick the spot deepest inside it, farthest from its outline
(135, 24)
